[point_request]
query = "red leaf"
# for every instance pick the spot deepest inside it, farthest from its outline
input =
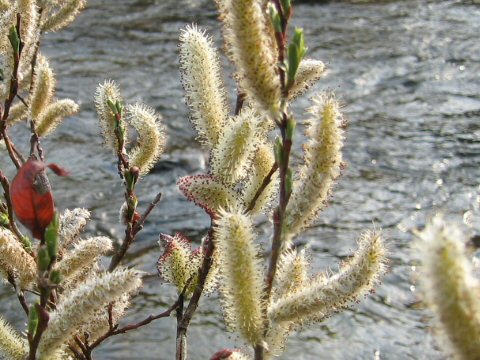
(31, 196)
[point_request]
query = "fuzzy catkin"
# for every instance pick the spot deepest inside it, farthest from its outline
(327, 294)
(99, 325)
(291, 274)
(309, 72)
(84, 254)
(450, 288)
(79, 307)
(12, 346)
(13, 257)
(237, 143)
(64, 15)
(18, 112)
(43, 87)
(176, 265)
(323, 162)
(7, 19)
(208, 192)
(241, 275)
(72, 223)
(54, 114)
(202, 80)
(252, 51)
(108, 91)
(151, 136)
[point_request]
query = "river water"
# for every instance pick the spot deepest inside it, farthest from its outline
(407, 75)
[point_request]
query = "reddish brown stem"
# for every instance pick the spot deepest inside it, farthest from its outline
(263, 186)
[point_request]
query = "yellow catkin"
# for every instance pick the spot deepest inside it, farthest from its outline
(54, 114)
(238, 141)
(7, 19)
(80, 306)
(63, 15)
(108, 91)
(12, 346)
(18, 112)
(326, 294)
(323, 162)
(14, 258)
(202, 81)
(43, 88)
(451, 288)
(308, 73)
(72, 223)
(208, 192)
(241, 275)
(252, 51)
(176, 265)
(84, 254)
(151, 136)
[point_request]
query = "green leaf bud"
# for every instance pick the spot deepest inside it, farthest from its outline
(291, 124)
(278, 149)
(287, 7)
(112, 106)
(275, 18)
(289, 182)
(4, 221)
(55, 277)
(43, 258)
(14, 40)
(32, 321)
(51, 236)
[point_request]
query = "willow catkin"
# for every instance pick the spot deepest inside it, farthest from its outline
(451, 288)
(204, 90)
(325, 294)
(241, 275)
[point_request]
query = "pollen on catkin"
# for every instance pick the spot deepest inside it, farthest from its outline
(80, 306)
(208, 192)
(83, 255)
(7, 19)
(43, 87)
(291, 274)
(451, 288)
(202, 80)
(18, 112)
(326, 294)
(12, 346)
(175, 265)
(322, 164)
(236, 146)
(62, 15)
(108, 91)
(262, 163)
(72, 223)
(100, 322)
(241, 275)
(308, 73)
(14, 258)
(252, 51)
(151, 136)
(54, 114)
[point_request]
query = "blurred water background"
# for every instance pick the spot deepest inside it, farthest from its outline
(407, 73)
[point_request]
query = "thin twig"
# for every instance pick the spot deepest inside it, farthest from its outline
(263, 186)
(115, 330)
(139, 224)
(197, 293)
(20, 296)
